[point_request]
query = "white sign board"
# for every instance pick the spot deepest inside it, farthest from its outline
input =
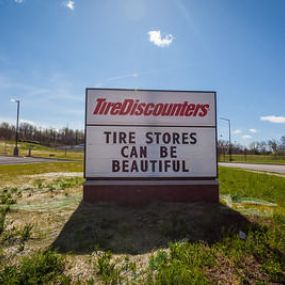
(150, 134)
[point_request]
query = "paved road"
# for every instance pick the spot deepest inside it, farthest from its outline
(6, 160)
(256, 167)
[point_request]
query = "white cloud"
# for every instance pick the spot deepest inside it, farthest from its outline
(19, 1)
(254, 131)
(246, 137)
(237, 131)
(69, 4)
(156, 38)
(273, 119)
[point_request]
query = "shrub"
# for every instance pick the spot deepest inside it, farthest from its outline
(106, 269)
(3, 212)
(40, 268)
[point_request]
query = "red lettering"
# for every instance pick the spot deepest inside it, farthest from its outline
(135, 107)
(100, 102)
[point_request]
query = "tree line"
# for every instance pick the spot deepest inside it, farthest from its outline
(66, 136)
(273, 146)
(45, 136)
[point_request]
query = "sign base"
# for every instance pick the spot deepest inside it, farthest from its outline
(141, 192)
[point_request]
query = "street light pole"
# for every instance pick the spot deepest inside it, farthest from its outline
(16, 149)
(230, 136)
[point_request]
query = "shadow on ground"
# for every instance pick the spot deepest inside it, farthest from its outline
(133, 230)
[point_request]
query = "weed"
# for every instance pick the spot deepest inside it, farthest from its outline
(58, 184)
(274, 269)
(106, 269)
(158, 260)
(39, 183)
(26, 232)
(3, 212)
(9, 237)
(13, 235)
(7, 196)
(183, 265)
(40, 268)
(260, 244)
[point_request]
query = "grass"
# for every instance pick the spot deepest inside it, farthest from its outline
(15, 173)
(37, 150)
(47, 236)
(242, 184)
(254, 158)
(58, 184)
(40, 268)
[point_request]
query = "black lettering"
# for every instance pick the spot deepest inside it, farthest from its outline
(176, 165)
(123, 153)
(176, 137)
(149, 138)
(107, 136)
(157, 134)
(167, 164)
(115, 165)
(160, 166)
(125, 166)
(134, 166)
(173, 152)
(122, 137)
(132, 137)
(166, 138)
(185, 138)
(193, 138)
(163, 151)
(134, 152)
(144, 166)
(143, 151)
(184, 169)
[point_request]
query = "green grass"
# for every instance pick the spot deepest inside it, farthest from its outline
(15, 174)
(37, 150)
(184, 264)
(254, 158)
(247, 252)
(241, 183)
(40, 268)
(58, 184)
(37, 168)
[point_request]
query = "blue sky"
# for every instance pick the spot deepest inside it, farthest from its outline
(50, 51)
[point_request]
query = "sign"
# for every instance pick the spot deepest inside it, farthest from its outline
(150, 134)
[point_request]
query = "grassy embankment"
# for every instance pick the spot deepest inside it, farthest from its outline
(49, 236)
(254, 158)
(37, 150)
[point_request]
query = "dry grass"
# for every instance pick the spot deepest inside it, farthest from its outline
(51, 205)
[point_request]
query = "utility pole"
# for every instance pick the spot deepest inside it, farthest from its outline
(230, 136)
(16, 149)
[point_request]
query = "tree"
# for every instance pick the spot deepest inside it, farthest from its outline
(273, 145)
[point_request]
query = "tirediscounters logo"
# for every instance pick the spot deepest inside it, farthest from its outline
(134, 107)
(150, 134)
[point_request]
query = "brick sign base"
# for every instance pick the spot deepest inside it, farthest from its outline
(141, 192)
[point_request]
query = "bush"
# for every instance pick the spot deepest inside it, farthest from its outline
(26, 232)
(40, 268)
(183, 265)
(3, 212)
(106, 269)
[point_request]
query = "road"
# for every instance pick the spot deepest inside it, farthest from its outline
(256, 167)
(6, 160)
